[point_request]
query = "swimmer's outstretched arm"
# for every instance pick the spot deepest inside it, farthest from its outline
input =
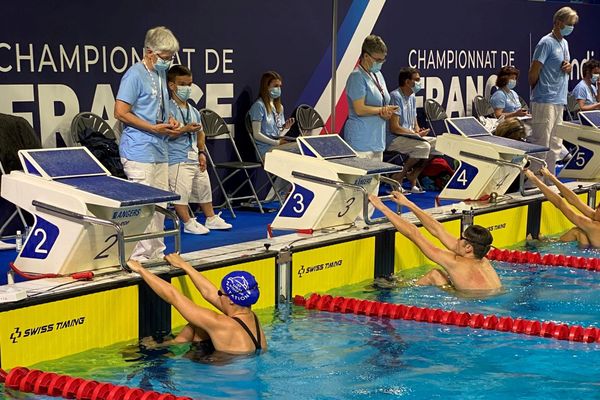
(194, 314)
(444, 258)
(569, 195)
(204, 286)
(578, 220)
(431, 224)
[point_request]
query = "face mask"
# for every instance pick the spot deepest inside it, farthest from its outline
(567, 30)
(512, 83)
(184, 92)
(595, 78)
(417, 87)
(376, 67)
(275, 92)
(162, 65)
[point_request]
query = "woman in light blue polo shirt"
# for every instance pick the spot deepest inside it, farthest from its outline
(586, 91)
(142, 107)
(505, 101)
(368, 101)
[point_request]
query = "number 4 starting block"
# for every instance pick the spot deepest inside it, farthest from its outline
(85, 219)
(330, 183)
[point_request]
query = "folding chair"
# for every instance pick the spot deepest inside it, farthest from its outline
(95, 122)
(482, 108)
(436, 115)
(572, 107)
(270, 181)
(214, 125)
(524, 105)
(309, 119)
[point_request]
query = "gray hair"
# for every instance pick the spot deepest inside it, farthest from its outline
(566, 15)
(161, 39)
(373, 44)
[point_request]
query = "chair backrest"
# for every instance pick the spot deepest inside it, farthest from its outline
(308, 118)
(212, 123)
(248, 124)
(572, 106)
(524, 105)
(435, 115)
(96, 123)
(482, 107)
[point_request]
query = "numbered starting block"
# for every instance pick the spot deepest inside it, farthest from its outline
(330, 183)
(85, 219)
(583, 142)
(488, 164)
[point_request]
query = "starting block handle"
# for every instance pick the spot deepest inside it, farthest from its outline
(365, 194)
(528, 192)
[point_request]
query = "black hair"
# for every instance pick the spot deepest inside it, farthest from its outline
(590, 65)
(480, 238)
(406, 73)
(178, 70)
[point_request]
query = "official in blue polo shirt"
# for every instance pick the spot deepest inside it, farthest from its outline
(586, 92)
(549, 78)
(142, 107)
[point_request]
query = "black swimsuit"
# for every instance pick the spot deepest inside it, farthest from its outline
(255, 339)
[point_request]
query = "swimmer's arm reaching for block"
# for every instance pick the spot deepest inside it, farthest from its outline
(204, 286)
(446, 259)
(431, 224)
(194, 314)
(569, 195)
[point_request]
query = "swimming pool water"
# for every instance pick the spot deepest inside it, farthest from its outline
(318, 355)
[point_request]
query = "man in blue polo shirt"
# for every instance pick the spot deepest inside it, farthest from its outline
(549, 78)
(142, 107)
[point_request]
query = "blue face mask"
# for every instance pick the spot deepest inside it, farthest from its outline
(595, 78)
(512, 83)
(162, 65)
(417, 88)
(376, 67)
(567, 30)
(275, 92)
(184, 92)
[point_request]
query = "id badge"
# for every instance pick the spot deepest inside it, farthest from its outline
(192, 155)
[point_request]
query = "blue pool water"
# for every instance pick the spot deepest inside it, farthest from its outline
(319, 355)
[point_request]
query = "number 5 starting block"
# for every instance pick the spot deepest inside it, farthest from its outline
(330, 183)
(583, 141)
(85, 219)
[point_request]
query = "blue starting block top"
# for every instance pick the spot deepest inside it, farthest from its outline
(590, 118)
(128, 193)
(472, 128)
(370, 166)
(58, 163)
(325, 146)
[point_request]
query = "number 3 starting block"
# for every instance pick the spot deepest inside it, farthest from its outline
(330, 183)
(85, 219)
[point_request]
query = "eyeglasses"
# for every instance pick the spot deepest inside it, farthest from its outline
(220, 293)
(381, 60)
(471, 242)
(165, 58)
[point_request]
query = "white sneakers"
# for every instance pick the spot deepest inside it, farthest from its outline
(216, 222)
(196, 228)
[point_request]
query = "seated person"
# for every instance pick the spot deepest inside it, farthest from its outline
(268, 123)
(236, 331)
(505, 101)
(187, 161)
(464, 264)
(586, 92)
(404, 134)
(587, 226)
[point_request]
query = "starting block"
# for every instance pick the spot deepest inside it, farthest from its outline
(583, 141)
(330, 183)
(85, 219)
(488, 163)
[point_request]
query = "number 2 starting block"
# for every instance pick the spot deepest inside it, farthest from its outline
(488, 164)
(583, 141)
(85, 219)
(330, 183)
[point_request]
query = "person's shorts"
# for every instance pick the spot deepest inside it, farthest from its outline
(414, 148)
(190, 183)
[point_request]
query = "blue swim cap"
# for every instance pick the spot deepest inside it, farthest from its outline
(241, 287)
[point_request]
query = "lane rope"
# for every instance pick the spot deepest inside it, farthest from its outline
(527, 257)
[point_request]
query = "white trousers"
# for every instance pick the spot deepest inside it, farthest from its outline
(545, 118)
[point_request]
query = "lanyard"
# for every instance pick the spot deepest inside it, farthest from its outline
(157, 93)
(561, 47)
(186, 118)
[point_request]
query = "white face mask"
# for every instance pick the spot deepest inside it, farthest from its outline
(595, 78)
(184, 92)
(512, 83)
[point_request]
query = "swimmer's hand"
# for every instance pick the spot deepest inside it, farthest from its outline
(134, 265)
(377, 203)
(176, 260)
(399, 198)
(545, 172)
(529, 173)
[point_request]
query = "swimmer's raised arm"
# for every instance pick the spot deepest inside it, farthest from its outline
(204, 286)
(569, 195)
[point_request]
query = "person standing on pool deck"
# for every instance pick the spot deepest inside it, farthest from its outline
(236, 331)
(587, 226)
(464, 263)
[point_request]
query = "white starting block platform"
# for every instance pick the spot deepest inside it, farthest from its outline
(85, 219)
(583, 141)
(330, 183)
(488, 163)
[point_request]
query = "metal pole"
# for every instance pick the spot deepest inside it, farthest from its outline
(334, 4)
